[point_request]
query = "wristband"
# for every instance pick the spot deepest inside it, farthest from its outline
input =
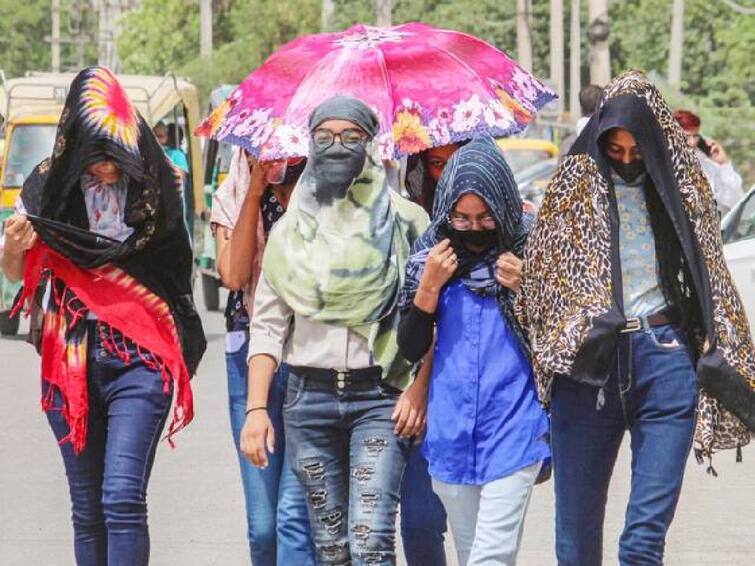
(252, 409)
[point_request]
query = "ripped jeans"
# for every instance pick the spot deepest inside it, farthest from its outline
(342, 447)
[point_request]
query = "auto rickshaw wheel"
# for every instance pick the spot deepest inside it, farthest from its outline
(8, 325)
(211, 292)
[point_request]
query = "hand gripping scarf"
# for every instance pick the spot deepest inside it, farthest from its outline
(477, 168)
(140, 287)
(571, 299)
(342, 262)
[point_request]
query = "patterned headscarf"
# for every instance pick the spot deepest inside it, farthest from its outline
(478, 168)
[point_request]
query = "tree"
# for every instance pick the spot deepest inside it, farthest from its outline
(22, 27)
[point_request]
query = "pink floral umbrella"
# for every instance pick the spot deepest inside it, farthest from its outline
(428, 86)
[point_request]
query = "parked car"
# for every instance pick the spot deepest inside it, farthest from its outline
(738, 230)
(533, 180)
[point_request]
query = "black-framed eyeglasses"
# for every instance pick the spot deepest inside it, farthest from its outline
(349, 138)
(462, 223)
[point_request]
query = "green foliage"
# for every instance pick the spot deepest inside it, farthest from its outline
(159, 36)
(23, 25)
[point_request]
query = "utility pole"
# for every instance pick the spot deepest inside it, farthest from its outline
(600, 57)
(205, 28)
(383, 12)
(677, 44)
(575, 59)
(55, 38)
(557, 50)
(326, 15)
(523, 33)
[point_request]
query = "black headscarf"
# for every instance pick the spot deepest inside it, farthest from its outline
(99, 122)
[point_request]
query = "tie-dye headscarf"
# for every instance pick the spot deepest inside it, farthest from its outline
(149, 272)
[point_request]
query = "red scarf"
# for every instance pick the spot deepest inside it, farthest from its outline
(118, 300)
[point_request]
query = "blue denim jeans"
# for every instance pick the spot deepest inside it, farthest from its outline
(276, 511)
(423, 517)
(653, 394)
(108, 480)
(343, 449)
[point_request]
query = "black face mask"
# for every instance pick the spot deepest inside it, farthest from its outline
(476, 242)
(335, 169)
(630, 172)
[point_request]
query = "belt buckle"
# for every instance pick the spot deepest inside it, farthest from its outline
(633, 325)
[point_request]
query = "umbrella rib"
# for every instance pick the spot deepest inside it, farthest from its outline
(473, 73)
(386, 78)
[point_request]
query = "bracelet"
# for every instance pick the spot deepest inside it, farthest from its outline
(252, 409)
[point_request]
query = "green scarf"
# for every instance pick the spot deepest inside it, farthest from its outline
(343, 264)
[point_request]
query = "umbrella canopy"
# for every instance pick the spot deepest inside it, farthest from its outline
(428, 87)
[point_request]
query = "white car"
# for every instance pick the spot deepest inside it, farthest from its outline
(738, 229)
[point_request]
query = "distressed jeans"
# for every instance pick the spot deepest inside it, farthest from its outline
(343, 449)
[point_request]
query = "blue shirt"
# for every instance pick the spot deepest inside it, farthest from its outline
(639, 269)
(484, 420)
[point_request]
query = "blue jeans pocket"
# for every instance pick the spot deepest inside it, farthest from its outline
(667, 338)
(294, 391)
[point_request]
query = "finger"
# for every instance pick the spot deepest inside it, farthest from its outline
(401, 422)
(443, 244)
(271, 440)
(259, 454)
(411, 424)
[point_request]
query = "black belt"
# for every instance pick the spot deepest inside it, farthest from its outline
(333, 379)
(669, 315)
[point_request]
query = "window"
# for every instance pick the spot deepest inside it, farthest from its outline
(28, 146)
(740, 225)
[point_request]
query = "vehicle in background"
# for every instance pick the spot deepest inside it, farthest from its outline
(533, 180)
(31, 106)
(521, 153)
(217, 163)
(738, 231)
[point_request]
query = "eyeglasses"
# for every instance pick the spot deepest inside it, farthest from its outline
(349, 138)
(462, 223)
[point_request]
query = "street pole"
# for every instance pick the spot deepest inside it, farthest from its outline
(55, 39)
(600, 57)
(557, 51)
(383, 12)
(327, 11)
(523, 37)
(677, 44)
(575, 59)
(205, 28)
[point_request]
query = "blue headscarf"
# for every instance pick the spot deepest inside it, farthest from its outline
(477, 168)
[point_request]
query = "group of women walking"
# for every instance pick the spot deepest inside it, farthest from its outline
(441, 356)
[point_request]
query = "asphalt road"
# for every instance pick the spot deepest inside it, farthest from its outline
(195, 500)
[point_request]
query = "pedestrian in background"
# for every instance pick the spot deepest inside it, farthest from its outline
(244, 210)
(724, 180)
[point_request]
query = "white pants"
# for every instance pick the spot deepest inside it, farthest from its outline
(487, 520)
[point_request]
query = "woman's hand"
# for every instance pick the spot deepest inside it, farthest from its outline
(439, 268)
(258, 179)
(410, 414)
(508, 271)
(19, 235)
(258, 438)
